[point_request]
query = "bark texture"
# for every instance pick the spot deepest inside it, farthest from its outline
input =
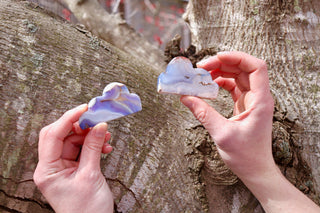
(287, 35)
(46, 67)
(163, 160)
(113, 29)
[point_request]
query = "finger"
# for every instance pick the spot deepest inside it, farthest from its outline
(64, 124)
(207, 115)
(73, 143)
(217, 73)
(211, 63)
(242, 79)
(244, 61)
(214, 64)
(237, 63)
(227, 71)
(52, 136)
(230, 86)
(72, 146)
(258, 74)
(107, 136)
(77, 129)
(92, 147)
(42, 140)
(107, 148)
(226, 83)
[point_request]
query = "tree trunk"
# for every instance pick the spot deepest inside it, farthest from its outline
(163, 160)
(48, 66)
(287, 35)
(112, 28)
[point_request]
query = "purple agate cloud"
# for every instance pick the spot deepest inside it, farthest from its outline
(181, 78)
(116, 101)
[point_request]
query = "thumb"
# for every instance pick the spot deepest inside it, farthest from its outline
(91, 150)
(208, 116)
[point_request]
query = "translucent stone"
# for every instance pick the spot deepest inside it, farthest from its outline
(116, 101)
(181, 78)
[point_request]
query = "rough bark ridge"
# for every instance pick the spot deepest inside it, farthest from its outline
(46, 67)
(165, 164)
(287, 35)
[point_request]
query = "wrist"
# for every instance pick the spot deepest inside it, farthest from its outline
(265, 186)
(276, 194)
(262, 175)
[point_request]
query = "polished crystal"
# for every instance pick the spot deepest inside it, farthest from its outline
(116, 101)
(181, 78)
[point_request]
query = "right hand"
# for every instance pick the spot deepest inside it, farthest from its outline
(244, 140)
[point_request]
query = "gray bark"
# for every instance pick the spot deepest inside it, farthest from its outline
(48, 66)
(163, 160)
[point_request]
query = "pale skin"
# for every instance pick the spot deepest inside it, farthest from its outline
(75, 184)
(244, 140)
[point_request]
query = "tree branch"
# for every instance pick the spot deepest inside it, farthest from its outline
(113, 29)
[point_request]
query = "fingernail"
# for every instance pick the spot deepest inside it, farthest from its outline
(108, 146)
(107, 136)
(202, 62)
(107, 149)
(100, 130)
(81, 106)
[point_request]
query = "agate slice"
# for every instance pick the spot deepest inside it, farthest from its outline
(181, 78)
(116, 101)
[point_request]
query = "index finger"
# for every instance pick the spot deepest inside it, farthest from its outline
(257, 69)
(52, 137)
(238, 62)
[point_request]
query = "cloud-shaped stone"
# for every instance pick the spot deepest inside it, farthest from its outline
(116, 101)
(181, 78)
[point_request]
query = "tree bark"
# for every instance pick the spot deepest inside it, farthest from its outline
(163, 160)
(287, 35)
(113, 29)
(48, 66)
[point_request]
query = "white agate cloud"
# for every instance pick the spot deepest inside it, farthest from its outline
(181, 78)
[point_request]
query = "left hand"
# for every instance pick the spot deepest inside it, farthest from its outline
(70, 176)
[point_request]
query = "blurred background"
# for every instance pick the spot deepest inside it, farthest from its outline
(157, 20)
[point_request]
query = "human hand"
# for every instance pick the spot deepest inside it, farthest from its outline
(244, 140)
(70, 176)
